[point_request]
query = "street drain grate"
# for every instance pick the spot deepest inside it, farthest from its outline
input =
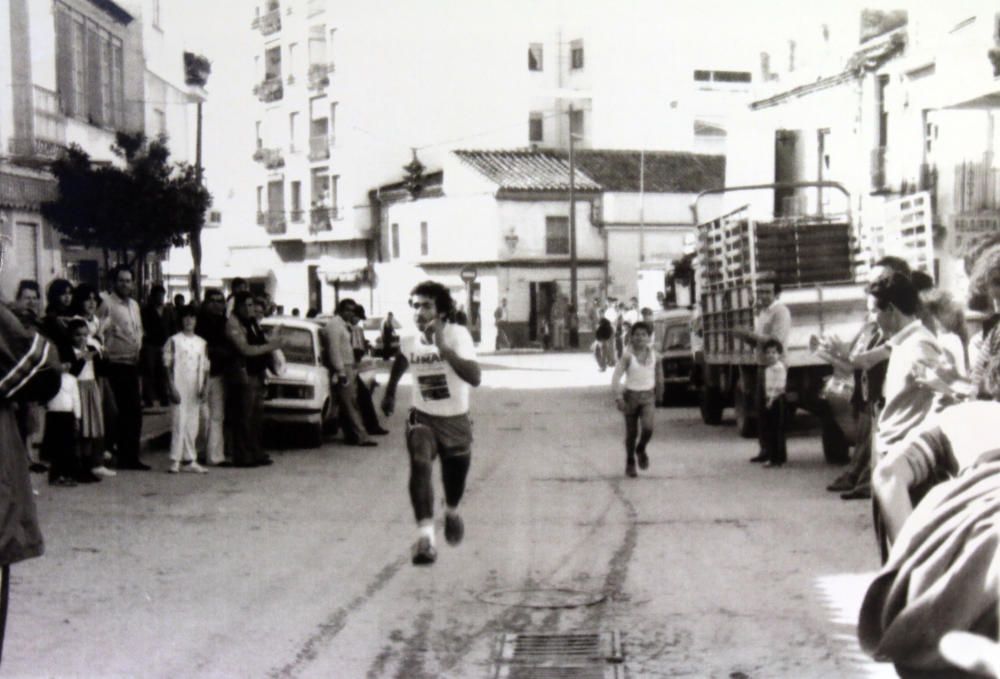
(559, 656)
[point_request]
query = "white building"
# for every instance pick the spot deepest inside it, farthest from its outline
(347, 90)
(75, 72)
(905, 104)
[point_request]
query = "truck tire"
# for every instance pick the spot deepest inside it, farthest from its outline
(836, 448)
(743, 408)
(710, 404)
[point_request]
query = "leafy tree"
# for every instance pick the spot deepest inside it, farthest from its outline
(145, 206)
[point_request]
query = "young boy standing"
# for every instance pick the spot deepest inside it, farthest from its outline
(185, 356)
(443, 359)
(643, 372)
(773, 421)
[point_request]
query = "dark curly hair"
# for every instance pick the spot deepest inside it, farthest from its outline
(443, 302)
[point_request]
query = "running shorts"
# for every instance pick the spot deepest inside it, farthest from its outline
(452, 434)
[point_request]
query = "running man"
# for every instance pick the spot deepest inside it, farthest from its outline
(443, 359)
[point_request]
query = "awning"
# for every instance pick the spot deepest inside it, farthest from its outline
(343, 270)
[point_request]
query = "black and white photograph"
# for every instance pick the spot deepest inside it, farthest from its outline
(463, 339)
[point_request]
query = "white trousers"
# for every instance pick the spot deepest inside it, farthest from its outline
(185, 417)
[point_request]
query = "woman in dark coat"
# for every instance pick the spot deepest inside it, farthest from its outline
(29, 371)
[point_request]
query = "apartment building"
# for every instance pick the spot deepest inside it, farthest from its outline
(74, 72)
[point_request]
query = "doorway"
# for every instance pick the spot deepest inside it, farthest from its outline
(542, 296)
(315, 288)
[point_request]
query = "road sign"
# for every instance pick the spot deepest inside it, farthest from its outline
(469, 273)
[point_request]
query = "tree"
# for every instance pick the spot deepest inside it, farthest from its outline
(145, 206)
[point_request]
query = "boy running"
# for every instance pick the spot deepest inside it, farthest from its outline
(443, 359)
(643, 372)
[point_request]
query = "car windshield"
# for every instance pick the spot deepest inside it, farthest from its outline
(297, 345)
(677, 337)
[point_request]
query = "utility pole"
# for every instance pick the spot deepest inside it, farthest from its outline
(572, 215)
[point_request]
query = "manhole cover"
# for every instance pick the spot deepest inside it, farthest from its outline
(542, 598)
(576, 655)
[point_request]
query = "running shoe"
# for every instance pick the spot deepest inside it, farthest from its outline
(194, 468)
(454, 529)
(630, 470)
(643, 459)
(424, 553)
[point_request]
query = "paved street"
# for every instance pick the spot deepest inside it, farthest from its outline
(707, 565)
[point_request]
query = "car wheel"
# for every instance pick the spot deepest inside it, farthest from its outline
(314, 435)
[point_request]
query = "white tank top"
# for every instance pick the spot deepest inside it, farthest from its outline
(640, 376)
(437, 388)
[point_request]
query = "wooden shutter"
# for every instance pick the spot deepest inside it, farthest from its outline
(93, 51)
(64, 62)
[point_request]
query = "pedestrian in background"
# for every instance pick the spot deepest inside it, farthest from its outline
(157, 326)
(211, 326)
(643, 372)
(91, 437)
(773, 415)
(122, 344)
(343, 372)
(389, 336)
(185, 357)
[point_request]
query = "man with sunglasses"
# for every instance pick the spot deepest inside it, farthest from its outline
(443, 361)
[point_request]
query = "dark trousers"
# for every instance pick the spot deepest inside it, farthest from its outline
(124, 382)
(244, 411)
(59, 445)
(771, 430)
(366, 408)
(154, 376)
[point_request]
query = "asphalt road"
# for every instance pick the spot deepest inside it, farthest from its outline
(705, 566)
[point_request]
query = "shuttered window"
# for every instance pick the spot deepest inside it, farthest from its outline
(89, 70)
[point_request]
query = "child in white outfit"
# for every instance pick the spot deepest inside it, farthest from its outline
(185, 356)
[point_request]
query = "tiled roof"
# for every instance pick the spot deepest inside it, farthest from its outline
(665, 171)
(527, 170)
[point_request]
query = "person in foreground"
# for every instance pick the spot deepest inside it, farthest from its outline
(443, 359)
(640, 364)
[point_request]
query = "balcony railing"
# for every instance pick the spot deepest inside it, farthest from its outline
(269, 90)
(977, 186)
(878, 168)
(270, 23)
(296, 215)
(319, 147)
(322, 218)
(49, 139)
(272, 159)
(274, 222)
(319, 75)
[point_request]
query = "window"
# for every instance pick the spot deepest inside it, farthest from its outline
(423, 238)
(291, 59)
(557, 235)
(276, 199)
(535, 130)
(576, 123)
(334, 182)
(260, 141)
(731, 76)
(272, 63)
(296, 201)
(293, 118)
(332, 132)
(26, 248)
(535, 56)
(394, 245)
(576, 54)
(260, 199)
(89, 74)
(703, 76)
(317, 45)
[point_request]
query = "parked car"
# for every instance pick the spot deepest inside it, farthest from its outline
(372, 328)
(301, 393)
(672, 337)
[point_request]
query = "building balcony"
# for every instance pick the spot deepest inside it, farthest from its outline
(322, 218)
(270, 23)
(878, 168)
(269, 90)
(296, 215)
(319, 75)
(272, 159)
(319, 147)
(273, 222)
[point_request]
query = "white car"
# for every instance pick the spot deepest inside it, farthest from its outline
(301, 393)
